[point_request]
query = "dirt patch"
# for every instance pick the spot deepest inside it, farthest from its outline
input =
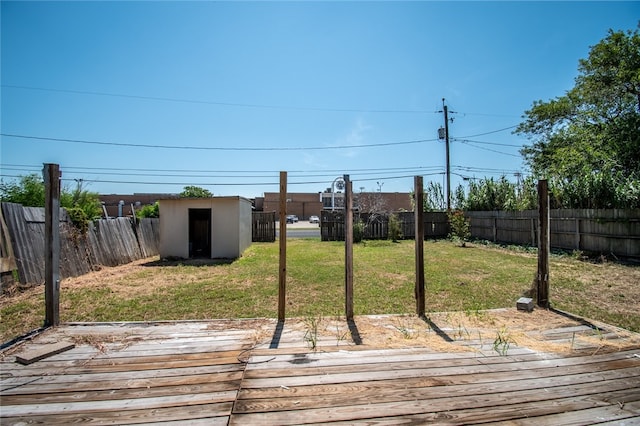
(500, 330)
(142, 277)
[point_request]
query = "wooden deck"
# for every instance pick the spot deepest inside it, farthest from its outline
(448, 369)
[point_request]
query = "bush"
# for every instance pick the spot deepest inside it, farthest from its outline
(395, 229)
(358, 230)
(150, 210)
(79, 219)
(459, 227)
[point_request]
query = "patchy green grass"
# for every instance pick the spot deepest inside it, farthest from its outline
(467, 279)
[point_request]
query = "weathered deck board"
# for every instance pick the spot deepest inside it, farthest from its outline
(246, 373)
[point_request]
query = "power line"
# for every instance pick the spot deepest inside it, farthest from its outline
(214, 148)
(330, 171)
(491, 132)
(483, 169)
(218, 103)
(269, 183)
(471, 144)
(487, 143)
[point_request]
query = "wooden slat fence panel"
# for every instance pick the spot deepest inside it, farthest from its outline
(263, 227)
(377, 225)
(331, 225)
(107, 242)
(598, 231)
(148, 233)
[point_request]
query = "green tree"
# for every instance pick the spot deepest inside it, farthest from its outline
(27, 190)
(87, 201)
(433, 199)
(195, 192)
(150, 210)
(587, 141)
(81, 204)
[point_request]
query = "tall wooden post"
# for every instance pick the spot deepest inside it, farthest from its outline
(282, 274)
(348, 248)
(543, 245)
(419, 236)
(51, 176)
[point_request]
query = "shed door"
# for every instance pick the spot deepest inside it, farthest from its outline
(200, 233)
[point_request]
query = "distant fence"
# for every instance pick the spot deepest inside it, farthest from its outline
(263, 227)
(377, 225)
(107, 242)
(614, 232)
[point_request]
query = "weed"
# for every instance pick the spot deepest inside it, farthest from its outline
(461, 332)
(502, 342)
(405, 328)
(339, 333)
(311, 334)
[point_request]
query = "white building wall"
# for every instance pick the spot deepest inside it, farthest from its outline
(230, 226)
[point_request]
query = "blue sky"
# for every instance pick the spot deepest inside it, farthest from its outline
(153, 96)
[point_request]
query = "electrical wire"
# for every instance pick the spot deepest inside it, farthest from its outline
(226, 104)
(232, 173)
(471, 144)
(269, 183)
(486, 143)
(215, 148)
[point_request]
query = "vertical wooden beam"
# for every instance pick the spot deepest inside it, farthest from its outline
(418, 189)
(282, 275)
(543, 245)
(348, 248)
(51, 174)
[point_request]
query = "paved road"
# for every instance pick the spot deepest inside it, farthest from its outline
(300, 229)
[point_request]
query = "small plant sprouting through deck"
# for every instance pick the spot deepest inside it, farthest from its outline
(404, 328)
(311, 333)
(340, 334)
(502, 342)
(461, 332)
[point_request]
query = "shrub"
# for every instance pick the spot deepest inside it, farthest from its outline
(395, 229)
(358, 230)
(459, 227)
(150, 210)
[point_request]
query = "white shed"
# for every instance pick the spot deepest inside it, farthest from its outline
(216, 227)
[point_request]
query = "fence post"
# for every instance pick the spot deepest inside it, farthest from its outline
(52, 245)
(543, 245)
(348, 246)
(282, 274)
(419, 241)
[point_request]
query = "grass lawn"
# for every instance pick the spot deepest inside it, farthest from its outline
(467, 279)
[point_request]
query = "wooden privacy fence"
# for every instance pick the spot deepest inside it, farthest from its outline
(376, 225)
(263, 227)
(107, 242)
(598, 231)
(614, 232)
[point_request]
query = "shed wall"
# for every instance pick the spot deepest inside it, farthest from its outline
(230, 226)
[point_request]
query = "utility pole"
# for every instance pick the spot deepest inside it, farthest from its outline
(446, 137)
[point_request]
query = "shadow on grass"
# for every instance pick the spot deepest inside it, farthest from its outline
(197, 261)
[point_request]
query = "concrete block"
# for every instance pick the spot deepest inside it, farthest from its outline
(525, 304)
